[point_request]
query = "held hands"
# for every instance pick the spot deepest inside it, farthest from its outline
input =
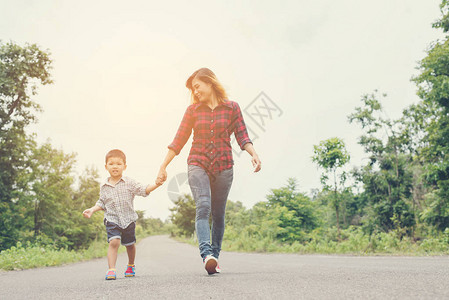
(257, 164)
(161, 176)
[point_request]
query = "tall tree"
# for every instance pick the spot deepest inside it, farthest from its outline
(387, 177)
(52, 192)
(22, 69)
(331, 155)
(433, 89)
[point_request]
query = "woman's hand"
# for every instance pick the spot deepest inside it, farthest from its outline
(161, 176)
(257, 164)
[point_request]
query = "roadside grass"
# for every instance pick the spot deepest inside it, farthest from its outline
(352, 242)
(27, 256)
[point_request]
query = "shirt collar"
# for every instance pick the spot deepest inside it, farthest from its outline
(106, 182)
(226, 103)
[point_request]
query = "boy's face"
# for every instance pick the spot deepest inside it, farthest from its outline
(115, 166)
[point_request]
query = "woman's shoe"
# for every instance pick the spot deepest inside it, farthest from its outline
(210, 264)
(217, 269)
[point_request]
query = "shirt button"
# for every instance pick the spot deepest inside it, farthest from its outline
(211, 121)
(211, 142)
(212, 130)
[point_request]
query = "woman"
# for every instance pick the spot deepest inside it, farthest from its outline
(210, 165)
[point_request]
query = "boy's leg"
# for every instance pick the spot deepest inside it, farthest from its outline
(129, 241)
(114, 236)
(131, 253)
(112, 252)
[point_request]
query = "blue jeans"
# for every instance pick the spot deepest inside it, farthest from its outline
(210, 193)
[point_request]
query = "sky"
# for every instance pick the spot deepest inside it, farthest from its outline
(119, 71)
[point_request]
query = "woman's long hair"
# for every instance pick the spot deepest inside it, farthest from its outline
(207, 76)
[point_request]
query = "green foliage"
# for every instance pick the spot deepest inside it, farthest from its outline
(398, 202)
(19, 257)
(41, 200)
(387, 178)
(84, 231)
(294, 212)
(444, 21)
(151, 226)
(51, 192)
(43, 253)
(21, 70)
(288, 216)
(433, 89)
(331, 155)
(183, 215)
(401, 204)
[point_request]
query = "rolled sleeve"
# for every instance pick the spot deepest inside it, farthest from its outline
(100, 202)
(138, 188)
(240, 132)
(183, 133)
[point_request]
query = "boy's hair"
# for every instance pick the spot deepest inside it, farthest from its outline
(116, 153)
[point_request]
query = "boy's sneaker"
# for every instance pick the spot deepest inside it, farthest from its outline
(130, 271)
(210, 264)
(111, 275)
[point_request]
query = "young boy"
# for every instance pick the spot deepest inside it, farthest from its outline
(117, 201)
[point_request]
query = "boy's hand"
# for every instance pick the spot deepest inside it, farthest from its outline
(88, 213)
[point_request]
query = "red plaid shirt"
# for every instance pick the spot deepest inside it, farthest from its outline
(211, 146)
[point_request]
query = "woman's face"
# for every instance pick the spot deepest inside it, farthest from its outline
(201, 90)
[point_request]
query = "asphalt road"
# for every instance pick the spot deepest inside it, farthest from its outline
(167, 269)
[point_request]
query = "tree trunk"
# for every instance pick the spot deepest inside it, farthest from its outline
(338, 222)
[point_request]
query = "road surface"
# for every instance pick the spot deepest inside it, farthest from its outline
(167, 269)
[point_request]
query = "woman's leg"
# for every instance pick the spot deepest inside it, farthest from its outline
(220, 187)
(200, 186)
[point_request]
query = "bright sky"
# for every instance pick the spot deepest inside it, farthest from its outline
(120, 69)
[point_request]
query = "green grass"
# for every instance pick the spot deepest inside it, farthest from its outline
(353, 242)
(34, 256)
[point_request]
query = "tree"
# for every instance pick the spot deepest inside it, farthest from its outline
(52, 192)
(183, 215)
(22, 69)
(387, 177)
(295, 213)
(331, 155)
(433, 89)
(82, 231)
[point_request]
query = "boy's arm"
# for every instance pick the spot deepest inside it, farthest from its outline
(89, 212)
(151, 187)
